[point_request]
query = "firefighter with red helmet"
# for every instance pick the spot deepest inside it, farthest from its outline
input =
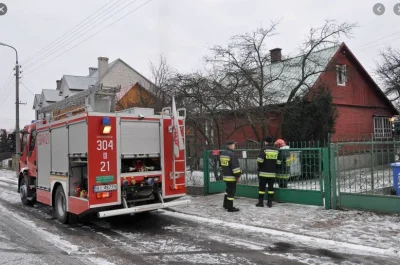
(231, 173)
(283, 164)
(267, 164)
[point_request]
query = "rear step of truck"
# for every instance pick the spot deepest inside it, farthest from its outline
(142, 208)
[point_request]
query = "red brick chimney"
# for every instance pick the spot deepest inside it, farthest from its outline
(276, 55)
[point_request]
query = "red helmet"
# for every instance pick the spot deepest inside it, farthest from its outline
(280, 143)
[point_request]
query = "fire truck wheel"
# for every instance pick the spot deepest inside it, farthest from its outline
(23, 192)
(60, 206)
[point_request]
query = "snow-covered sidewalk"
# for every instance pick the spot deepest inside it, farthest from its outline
(355, 227)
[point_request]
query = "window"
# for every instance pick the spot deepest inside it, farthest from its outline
(341, 74)
(33, 141)
(382, 127)
(24, 141)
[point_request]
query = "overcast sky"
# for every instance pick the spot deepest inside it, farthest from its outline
(182, 30)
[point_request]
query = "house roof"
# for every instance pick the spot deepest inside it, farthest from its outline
(110, 65)
(287, 73)
(51, 95)
(36, 101)
(368, 76)
(79, 82)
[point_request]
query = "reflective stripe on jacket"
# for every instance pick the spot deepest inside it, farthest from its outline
(230, 165)
(266, 161)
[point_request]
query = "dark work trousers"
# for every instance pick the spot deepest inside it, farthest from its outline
(262, 183)
(230, 189)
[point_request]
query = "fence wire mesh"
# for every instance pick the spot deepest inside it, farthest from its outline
(365, 167)
(305, 171)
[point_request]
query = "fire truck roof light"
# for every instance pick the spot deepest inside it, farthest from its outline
(106, 121)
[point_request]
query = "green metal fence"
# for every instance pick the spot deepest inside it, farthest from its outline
(308, 172)
(364, 175)
(353, 175)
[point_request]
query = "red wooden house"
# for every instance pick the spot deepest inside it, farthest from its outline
(363, 108)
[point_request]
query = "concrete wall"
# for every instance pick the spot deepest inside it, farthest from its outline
(350, 162)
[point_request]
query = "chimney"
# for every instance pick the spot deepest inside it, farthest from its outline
(92, 70)
(102, 66)
(58, 84)
(276, 55)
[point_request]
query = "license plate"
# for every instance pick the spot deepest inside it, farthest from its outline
(105, 188)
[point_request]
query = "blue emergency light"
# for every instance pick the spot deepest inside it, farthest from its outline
(106, 125)
(106, 121)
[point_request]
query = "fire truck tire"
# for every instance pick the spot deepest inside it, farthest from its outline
(23, 191)
(60, 205)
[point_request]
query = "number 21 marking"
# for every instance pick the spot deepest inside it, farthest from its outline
(105, 166)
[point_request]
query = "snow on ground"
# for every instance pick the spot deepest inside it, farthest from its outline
(359, 229)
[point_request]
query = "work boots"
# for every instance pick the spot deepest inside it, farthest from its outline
(260, 200)
(270, 197)
(231, 208)
(225, 205)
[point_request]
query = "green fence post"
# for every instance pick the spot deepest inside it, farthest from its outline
(206, 171)
(372, 165)
(327, 179)
(332, 159)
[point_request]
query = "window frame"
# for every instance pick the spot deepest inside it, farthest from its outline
(341, 70)
(32, 139)
(382, 127)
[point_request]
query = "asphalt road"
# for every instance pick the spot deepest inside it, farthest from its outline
(30, 235)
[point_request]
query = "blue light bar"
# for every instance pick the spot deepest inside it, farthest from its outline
(106, 121)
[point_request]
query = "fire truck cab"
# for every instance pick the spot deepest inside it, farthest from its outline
(89, 160)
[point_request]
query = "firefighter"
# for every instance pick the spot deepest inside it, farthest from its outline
(267, 165)
(231, 173)
(283, 164)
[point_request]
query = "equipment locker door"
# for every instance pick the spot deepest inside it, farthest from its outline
(173, 186)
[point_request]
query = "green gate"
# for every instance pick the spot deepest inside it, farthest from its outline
(309, 181)
(363, 175)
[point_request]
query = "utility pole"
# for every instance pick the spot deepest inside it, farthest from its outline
(17, 138)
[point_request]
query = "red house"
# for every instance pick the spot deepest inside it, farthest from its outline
(363, 108)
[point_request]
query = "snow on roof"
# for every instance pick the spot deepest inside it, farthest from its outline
(51, 95)
(79, 82)
(288, 73)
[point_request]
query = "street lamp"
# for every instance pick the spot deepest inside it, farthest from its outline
(17, 140)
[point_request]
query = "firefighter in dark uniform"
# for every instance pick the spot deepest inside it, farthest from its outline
(283, 164)
(267, 165)
(231, 173)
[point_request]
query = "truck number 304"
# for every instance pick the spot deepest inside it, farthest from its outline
(103, 145)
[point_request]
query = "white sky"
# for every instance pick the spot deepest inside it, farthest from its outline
(182, 30)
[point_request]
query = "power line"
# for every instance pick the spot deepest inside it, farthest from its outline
(8, 79)
(6, 96)
(52, 51)
(71, 30)
(88, 37)
(33, 94)
(382, 38)
(367, 48)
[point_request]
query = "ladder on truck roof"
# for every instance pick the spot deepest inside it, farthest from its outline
(86, 98)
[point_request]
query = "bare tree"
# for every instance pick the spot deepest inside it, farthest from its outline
(388, 71)
(247, 63)
(162, 75)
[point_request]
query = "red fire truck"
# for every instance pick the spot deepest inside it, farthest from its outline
(82, 157)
